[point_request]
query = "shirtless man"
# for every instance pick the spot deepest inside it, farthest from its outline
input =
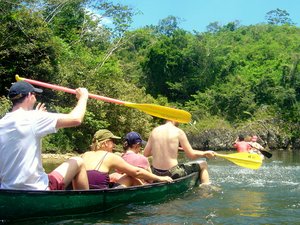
(241, 145)
(163, 145)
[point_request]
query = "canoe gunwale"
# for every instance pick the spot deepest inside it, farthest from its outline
(108, 190)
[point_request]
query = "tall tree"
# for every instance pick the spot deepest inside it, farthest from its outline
(213, 27)
(168, 25)
(27, 46)
(278, 17)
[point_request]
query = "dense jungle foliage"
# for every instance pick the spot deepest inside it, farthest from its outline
(228, 77)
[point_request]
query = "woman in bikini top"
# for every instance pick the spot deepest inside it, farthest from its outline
(100, 161)
(98, 179)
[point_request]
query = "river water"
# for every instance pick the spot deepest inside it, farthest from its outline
(269, 195)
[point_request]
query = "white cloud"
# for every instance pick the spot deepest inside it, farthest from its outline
(98, 17)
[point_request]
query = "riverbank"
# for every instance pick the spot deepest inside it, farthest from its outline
(56, 158)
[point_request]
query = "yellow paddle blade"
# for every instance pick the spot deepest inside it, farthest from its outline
(244, 159)
(162, 112)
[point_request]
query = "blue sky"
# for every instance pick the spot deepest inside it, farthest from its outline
(197, 14)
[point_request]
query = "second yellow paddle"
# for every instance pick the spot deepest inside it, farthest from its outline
(244, 159)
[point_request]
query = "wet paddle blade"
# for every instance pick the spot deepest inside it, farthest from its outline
(266, 153)
(244, 159)
(162, 112)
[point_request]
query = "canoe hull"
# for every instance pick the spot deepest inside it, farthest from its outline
(21, 204)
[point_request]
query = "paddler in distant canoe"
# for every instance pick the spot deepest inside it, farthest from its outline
(256, 147)
(241, 145)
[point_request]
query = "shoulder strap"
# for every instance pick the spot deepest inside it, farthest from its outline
(100, 162)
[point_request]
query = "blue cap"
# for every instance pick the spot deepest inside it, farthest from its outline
(22, 88)
(134, 138)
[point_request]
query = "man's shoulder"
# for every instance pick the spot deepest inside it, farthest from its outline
(167, 129)
(159, 128)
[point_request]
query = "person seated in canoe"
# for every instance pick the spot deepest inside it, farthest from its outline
(101, 160)
(132, 147)
(255, 146)
(163, 145)
(241, 145)
(21, 131)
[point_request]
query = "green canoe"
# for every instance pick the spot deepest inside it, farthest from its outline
(23, 204)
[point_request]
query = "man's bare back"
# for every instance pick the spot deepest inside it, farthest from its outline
(163, 145)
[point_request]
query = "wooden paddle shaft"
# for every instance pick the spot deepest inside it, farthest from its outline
(69, 90)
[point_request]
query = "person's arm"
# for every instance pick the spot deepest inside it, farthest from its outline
(202, 154)
(121, 165)
(75, 117)
(234, 144)
(147, 150)
(256, 146)
(189, 151)
(149, 167)
(260, 147)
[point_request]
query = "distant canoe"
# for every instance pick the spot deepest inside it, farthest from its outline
(24, 204)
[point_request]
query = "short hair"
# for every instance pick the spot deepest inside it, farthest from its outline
(18, 100)
(241, 137)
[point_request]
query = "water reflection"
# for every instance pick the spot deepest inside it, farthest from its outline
(269, 195)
